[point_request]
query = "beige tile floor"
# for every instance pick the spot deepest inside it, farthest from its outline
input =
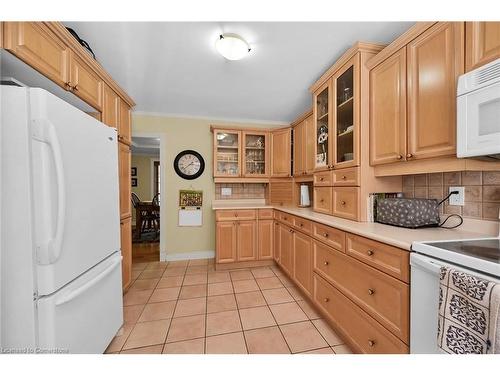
(187, 307)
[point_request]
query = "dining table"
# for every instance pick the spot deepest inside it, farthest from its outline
(143, 209)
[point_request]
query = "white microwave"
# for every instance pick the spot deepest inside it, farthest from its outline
(478, 112)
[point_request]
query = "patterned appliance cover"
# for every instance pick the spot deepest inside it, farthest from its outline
(408, 212)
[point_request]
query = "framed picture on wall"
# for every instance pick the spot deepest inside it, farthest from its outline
(133, 171)
(134, 182)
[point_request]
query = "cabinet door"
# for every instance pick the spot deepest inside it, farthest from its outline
(255, 154)
(85, 83)
(308, 161)
(126, 249)
(302, 261)
(298, 149)
(265, 235)
(276, 242)
(345, 136)
(124, 164)
(435, 60)
(482, 43)
(286, 248)
(110, 107)
(322, 118)
(124, 124)
(388, 110)
(246, 240)
(37, 46)
(322, 201)
(227, 155)
(225, 242)
(281, 152)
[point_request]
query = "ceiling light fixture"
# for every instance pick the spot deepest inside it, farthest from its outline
(232, 46)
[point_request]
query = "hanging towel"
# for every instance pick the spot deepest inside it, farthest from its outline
(468, 314)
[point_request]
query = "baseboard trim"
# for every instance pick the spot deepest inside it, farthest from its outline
(203, 254)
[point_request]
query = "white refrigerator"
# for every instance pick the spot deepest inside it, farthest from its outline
(61, 282)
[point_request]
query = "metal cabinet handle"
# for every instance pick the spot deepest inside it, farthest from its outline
(325, 234)
(371, 291)
(399, 157)
(75, 87)
(321, 178)
(321, 200)
(326, 299)
(326, 263)
(344, 177)
(342, 203)
(371, 342)
(370, 252)
(301, 225)
(409, 156)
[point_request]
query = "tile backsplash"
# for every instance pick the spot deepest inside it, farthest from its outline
(482, 191)
(241, 191)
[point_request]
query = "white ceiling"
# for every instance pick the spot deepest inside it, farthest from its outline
(146, 146)
(173, 67)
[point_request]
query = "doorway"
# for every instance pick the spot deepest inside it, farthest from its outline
(145, 197)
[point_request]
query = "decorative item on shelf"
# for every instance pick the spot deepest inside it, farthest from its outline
(347, 94)
(322, 142)
(133, 171)
(134, 182)
(347, 130)
(259, 143)
(348, 156)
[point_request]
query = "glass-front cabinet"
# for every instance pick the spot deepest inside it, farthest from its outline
(322, 111)
(345, 137)
(227, 153)
(255, 154)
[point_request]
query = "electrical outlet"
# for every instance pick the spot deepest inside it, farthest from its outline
(457, 199)
(226, 192)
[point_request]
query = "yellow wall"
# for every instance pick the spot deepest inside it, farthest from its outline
(144, 180)
(178, 134)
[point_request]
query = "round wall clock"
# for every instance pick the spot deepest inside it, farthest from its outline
(189, 164)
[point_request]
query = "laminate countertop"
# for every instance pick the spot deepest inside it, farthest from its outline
(395, 236)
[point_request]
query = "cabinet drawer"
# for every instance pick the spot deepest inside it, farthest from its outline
(389, 259)
(322, 201)
(345, 202)
(365, 333)
(286, 218)
(322, 178)
(302, 224)
(228, 215)
(346, 177)
(385, 298)
(331, 236)
(266, 213)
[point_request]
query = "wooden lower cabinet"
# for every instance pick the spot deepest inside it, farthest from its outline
(363, 332)
(276, 242)
(126, 250)
(225, 242)
(246, 240)
(286, 248)
(302, 261)
(265, 235)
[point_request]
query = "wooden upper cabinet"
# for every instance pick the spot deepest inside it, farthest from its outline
(344, 139)
(227, 153)
(482, 42)
(308, 160)
(435, 60)
(39, 47)
(124, 123)
(255, 154)
(281, 153)
(124, 163)
(322, 119)
(85, 83)
(225, 242)
(110, 115)
(266, 239)
(246, 240)
(298, 149)
(388, 110)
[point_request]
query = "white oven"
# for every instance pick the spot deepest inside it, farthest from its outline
(478, 112)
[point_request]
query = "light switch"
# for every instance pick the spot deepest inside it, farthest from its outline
(226, 192)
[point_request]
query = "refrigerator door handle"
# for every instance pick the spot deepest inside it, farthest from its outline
(45, 131)
(78, 291)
